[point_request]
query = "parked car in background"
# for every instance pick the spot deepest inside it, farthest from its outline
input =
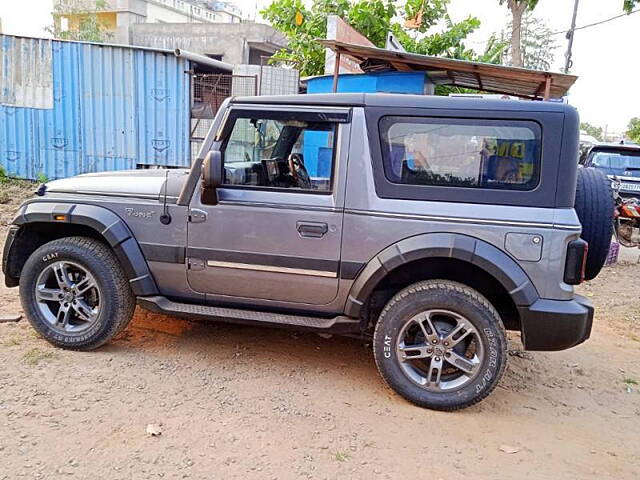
(620, 162)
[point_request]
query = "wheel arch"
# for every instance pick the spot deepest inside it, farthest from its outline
(441, 248)
(36, 224)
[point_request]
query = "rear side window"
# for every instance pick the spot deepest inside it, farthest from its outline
(476, 153)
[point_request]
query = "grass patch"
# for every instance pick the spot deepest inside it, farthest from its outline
(629, 381)
(12, 341)
(15, 190)
(35, 356)
(341, 456)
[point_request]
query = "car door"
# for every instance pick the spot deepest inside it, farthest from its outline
(275, 231)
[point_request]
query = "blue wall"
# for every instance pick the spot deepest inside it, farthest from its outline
(113, 108)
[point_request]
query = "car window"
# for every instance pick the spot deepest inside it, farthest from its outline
(461, 152)
(617, 163)
(288, 154)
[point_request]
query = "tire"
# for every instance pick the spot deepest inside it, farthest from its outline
(595, 208)
(75, 293)
(440, 299)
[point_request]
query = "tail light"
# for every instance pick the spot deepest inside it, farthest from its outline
(630, 211)
(576, 262)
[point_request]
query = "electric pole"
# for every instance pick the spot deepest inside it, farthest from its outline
(567, 56)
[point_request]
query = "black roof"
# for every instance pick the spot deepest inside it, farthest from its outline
(403, 100)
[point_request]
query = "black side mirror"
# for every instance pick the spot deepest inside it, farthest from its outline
(212, 176)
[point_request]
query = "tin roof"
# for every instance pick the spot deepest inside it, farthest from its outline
(521, 82)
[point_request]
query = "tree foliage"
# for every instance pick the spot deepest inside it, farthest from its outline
(595, 132)
(88, 27)
(537, 43)
(629, 5)
(633, 130)
(303, 25)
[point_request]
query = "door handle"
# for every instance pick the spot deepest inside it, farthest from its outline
(312, 229)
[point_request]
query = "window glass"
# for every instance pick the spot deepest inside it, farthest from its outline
(625, 164)
(463, 153)
(271, 153)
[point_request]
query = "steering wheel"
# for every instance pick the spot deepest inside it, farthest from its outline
(298, 171)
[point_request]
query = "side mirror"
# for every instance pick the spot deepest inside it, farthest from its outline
(212, 176)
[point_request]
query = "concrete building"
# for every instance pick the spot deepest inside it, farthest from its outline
(118, 16)
(239, 43)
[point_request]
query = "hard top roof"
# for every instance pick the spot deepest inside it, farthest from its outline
(406, 101)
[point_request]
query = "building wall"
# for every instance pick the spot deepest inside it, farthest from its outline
(232, 41)
(160, 14)
(120, 15)
(111, 108)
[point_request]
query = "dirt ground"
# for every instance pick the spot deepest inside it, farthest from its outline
(241, 402)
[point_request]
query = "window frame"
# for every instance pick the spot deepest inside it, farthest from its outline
(334, 118)
(553, 137)
(532, 126)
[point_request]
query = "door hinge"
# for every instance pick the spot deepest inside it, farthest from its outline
(197, 216)
(195, 264)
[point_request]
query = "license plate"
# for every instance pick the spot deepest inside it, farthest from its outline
(635, 187)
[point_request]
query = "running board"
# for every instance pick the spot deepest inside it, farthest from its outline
(339, 324)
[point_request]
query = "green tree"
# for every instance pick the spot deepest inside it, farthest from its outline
(537, 42)
(303, 25)
(88, 27)
(595, 132)
(423, 16)
(629, 5)
(517, 8)
(633, 130)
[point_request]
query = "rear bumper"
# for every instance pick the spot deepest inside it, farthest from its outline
(556, 324)
(11, 236)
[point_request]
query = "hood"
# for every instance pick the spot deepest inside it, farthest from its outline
(125, 183)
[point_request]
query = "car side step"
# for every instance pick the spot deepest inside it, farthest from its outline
(339, 324)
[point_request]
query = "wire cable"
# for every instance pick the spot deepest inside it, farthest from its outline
(597, 23)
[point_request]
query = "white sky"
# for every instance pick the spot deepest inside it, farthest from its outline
(605, 57)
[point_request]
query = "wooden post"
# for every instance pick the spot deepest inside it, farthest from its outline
(547, 88)
(336, 72)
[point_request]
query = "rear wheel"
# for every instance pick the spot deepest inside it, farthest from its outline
(75, 293)
(440, 345)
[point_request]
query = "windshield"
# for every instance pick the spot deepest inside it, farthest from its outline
(624, 164)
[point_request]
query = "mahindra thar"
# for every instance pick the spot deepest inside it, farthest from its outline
(427, 224)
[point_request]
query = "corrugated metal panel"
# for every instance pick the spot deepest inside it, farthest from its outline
(163, 109)
(25, 72)
(18, 144)
(112, 108)
(107, 108)
(59, 129)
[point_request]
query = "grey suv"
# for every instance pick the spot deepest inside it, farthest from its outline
(428, 224)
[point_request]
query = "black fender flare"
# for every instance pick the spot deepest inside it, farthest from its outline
(442, 245)
(108, 225)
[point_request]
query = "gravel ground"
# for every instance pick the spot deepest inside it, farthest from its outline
(243, 402)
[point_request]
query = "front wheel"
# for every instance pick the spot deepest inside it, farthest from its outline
(75, 294)
(441, 345)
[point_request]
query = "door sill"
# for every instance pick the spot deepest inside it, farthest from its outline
(338, 324)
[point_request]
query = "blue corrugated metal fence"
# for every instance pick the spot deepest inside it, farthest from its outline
(113, 108)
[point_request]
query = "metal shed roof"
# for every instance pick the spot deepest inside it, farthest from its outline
(521, 82)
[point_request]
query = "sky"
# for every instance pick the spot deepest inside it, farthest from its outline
(605, 57)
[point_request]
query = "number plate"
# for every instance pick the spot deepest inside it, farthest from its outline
(635, 187)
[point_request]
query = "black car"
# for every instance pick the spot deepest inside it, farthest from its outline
(620, 162)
